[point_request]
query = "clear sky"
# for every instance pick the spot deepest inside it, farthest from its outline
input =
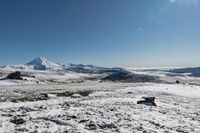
(128, 33)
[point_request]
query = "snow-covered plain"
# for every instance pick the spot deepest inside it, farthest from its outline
(79, 100)
(109, 107)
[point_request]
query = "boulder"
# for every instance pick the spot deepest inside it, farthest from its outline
(15, 75)
(150, 101)
(177, 82)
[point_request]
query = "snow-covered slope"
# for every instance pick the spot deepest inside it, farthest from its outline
(41, 63)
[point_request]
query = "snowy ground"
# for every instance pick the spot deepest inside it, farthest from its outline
(43, 77)
(103, 107)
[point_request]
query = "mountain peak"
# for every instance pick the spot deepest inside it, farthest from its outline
(40, 58)
(41, 63)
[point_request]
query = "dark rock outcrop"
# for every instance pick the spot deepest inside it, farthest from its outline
(177, 82)
(150, 101)
(15, 75)
(126, 76)
(17, 121)
(194, 75)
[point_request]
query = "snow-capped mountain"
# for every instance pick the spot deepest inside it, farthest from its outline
(38, 63)
(41, 63)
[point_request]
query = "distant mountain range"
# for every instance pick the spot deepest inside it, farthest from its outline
(44, 64)
(46, 67)
(186, 70)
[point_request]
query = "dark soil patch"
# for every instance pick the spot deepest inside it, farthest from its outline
(69, 94)
(30, 98)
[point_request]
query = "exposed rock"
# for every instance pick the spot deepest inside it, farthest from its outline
(119, 76)
(83, 121)
(17, 121)
(177, 82)
(126, 76)
(91, 126)
(15, 75)
(155, 123)
(148, 101)
(107, 125)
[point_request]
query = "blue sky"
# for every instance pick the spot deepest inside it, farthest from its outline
(125, 33)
